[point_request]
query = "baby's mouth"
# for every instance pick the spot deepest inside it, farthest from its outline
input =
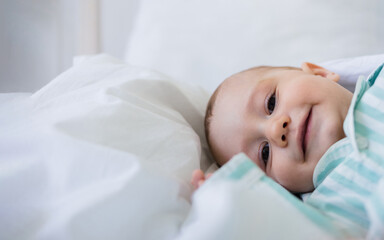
(304, 132)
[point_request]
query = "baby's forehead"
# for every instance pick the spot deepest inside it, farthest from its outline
(246, 79)
(258, 74)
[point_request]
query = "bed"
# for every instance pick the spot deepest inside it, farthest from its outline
(107, 148)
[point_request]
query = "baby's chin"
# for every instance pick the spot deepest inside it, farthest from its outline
(301, 184)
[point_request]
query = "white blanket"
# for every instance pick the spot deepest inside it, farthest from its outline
(104, 151)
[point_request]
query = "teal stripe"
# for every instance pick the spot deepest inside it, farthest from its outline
(348, 215)
(339, 210)
(366, 109)
(377, 92)
(329, 168)
(376, 158)
(368, 132)
(241, 169)
(326, 191)
(352, 202)
(372, 78)
(378, 204)
(349, 184)
(366, 173)
(363, 86)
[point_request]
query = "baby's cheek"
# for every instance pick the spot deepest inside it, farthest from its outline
(297, 93)
(282, 172)
(305, 89)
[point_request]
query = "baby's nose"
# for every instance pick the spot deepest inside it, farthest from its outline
(279, 131)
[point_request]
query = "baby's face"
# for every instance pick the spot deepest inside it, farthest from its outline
(284, 122)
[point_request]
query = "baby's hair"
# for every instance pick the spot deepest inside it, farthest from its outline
(208, 117)
(212, 100)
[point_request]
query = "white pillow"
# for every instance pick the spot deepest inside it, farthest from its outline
(350, 69)
(206, 41)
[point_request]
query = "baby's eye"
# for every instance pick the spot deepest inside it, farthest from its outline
(264, 154)
(271, 103)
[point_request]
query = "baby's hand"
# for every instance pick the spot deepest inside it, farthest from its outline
(198, 178)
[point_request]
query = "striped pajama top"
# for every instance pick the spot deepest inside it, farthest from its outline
(349, 178)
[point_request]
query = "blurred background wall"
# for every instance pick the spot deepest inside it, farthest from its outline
(38, 38)
(197, 41)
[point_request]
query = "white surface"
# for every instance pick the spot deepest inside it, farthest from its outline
(104, 151)
(206, 41)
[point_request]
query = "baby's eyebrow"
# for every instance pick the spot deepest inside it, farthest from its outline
(255, 93)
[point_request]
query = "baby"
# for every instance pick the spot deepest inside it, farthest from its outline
(309, 134)
(283, 118)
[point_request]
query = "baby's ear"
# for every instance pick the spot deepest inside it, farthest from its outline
(320, 71)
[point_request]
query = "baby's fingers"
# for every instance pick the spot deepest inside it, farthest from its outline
(197, 177)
